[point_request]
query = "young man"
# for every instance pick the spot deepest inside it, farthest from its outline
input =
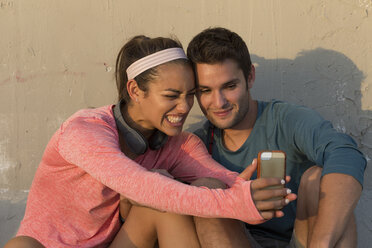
(325, 166)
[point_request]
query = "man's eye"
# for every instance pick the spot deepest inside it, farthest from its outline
(204, 91)
(231, 86)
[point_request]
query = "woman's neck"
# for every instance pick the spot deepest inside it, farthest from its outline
(130, 120)
(133, 119)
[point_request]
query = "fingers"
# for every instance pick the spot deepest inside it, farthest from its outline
(287, 179)
(261, 183)
(278, 213)
(266, 182)
(248, 172)
(291, 197)
(267, 215)
(271, 208)
(267, 194)
(274, 204)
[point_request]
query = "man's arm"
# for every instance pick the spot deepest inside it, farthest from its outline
(342, 176)
(339, 194)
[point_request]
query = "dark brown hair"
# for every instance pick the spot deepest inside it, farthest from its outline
(135, 49)
(215, 45)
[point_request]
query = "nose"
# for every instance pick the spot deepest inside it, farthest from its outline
(218, 99)
(185, 104)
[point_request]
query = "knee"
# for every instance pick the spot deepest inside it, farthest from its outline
(211, 183)
(310, 180)
(154, 219)
(23, 242)
(124, 207)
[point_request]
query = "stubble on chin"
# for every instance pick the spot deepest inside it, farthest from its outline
(220, 124)
(228, 124)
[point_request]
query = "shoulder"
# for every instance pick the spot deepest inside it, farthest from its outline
(291, 113)
(91, 117)
(105, 113)
(91, 125)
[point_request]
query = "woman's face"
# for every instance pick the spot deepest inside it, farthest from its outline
(169, 99)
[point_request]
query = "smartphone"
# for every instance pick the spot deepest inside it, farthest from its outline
(271, 164)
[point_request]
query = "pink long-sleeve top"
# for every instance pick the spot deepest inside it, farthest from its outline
(74, 197)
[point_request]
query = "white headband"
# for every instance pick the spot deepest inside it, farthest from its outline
(153, 60)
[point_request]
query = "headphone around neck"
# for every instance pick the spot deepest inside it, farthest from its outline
(136, 142)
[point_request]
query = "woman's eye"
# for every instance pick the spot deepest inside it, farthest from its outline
(171, 96)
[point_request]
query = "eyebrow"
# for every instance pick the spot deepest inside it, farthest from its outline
(177, 91)
(235, 80)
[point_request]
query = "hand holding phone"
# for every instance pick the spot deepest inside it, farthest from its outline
(268, 190)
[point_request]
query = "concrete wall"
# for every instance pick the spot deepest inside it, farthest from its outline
(58, 56)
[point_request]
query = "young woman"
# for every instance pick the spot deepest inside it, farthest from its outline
(99, 154)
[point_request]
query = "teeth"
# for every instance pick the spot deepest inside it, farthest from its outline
(174, 119)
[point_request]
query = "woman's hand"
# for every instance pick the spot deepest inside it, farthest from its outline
(262, 197)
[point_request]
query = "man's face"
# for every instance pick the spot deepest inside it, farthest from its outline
(223, 93)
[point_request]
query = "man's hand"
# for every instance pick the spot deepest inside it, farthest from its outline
(268, 208)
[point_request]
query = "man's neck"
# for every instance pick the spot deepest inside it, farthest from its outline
(234, 138)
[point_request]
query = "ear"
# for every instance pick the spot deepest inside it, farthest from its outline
(134, 91)
(251, 77)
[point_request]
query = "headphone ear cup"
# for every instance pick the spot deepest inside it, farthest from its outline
(157, 140)
(135, 141)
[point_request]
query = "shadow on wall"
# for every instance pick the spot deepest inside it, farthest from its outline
(330, 83)
(324, 80)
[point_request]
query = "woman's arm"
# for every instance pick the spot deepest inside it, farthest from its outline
(193, 161)
(92, 144)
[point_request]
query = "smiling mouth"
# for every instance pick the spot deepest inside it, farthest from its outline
(175, 120)
(222, 113)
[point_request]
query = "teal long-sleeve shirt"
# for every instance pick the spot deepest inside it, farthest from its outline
(305, 137)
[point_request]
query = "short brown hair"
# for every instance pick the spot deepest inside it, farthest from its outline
(215, 45)
(136, 48)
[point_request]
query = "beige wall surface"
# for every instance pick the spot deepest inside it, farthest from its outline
(58, 56)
